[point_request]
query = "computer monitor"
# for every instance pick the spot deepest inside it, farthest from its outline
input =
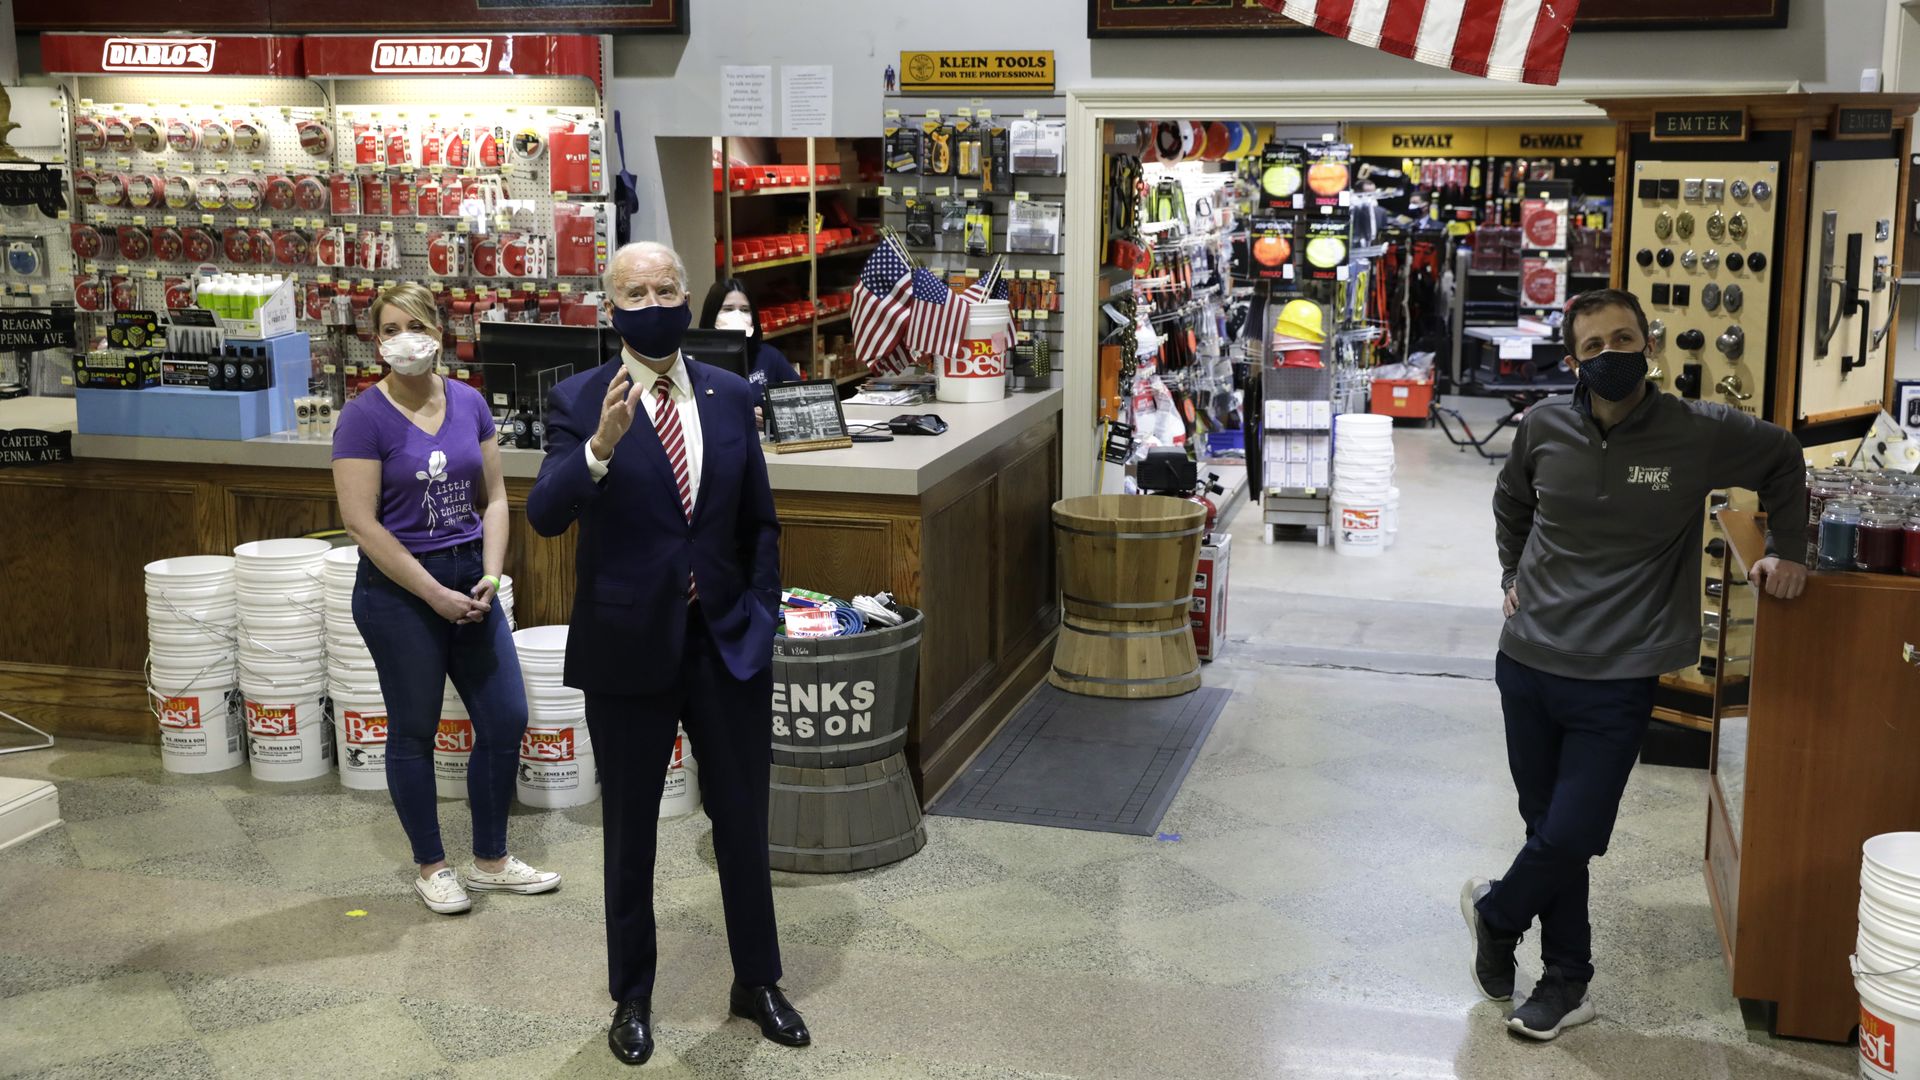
(729, 350)
(532, 347)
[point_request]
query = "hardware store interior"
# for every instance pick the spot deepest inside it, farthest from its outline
(1164, 444)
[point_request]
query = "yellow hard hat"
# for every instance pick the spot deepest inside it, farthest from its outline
(1302, 319)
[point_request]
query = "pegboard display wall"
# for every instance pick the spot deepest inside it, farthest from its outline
(1037, 307)
(491, 191)
(42, 273)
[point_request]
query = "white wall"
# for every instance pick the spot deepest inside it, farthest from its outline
(670, 86)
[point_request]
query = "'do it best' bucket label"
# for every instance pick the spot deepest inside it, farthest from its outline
(985, 358)
(1876, 1044)
(829, 710)
(273, 730)
(365, 748)
(190, 723)
(547, 760)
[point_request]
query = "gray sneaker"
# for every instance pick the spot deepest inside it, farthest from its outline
(1556, 1004)
(1493, 963)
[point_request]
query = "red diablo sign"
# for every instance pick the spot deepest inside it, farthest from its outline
(180, 713)
(271, 721)
(547, 744)
(235, 54)
(365, 729)
(348, 56)
(454, 737)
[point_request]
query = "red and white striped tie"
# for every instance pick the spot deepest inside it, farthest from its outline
(667, 424)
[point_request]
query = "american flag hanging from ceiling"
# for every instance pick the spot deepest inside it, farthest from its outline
(1511, 40)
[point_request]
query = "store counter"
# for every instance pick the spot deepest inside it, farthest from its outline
(955, 524)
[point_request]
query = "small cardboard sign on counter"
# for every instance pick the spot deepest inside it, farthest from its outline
(806, 416)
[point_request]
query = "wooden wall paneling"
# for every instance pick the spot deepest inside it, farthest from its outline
(1028, 487)
(1904, 137)
(261, 512)
(542, 569)
(85, 702)
(959, 549)
(844, 557)
(1793, 262)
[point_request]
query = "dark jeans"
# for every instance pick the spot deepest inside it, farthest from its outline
(729, 724)
(415, 651)
(1571, 744)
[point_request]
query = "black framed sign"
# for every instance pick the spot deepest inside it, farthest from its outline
(34, 329)
(806, 415)
(29, 446)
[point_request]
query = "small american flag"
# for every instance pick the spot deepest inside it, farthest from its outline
(882, 307)
(1512, 40)
(939, 317)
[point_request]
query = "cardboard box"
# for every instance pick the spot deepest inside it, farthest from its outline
(1297, 448)
(1276, 456)
(1320, 415)
(1300, 413)
(1209, 613)
(1320, 448)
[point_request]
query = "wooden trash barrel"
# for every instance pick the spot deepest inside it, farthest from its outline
(841, 701)
(830, 821)
(1126, 582)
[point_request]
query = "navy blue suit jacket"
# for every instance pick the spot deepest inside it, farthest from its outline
(636, 547)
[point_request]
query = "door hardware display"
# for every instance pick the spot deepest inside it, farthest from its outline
(1665, 258)
(1644, 257)
(1733, 298)
(1762, 190)
(1688, 381)
(1736, 261)
(1689, 259)
(1656, 334)
(1710, 296)
(1683, 225)
(1731, 387)
(1732, 342)
(1739, 190)
(1691, 340)
(1737, 226)
(1710, 259)
(1717, 226)
(1663, 225)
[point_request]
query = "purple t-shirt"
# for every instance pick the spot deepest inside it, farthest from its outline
(430, 485)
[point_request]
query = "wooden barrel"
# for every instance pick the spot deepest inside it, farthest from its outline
(1126, 567)
(842, 701)
(830, 821)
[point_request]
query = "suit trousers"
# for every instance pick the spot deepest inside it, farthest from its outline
(729, 726)
(1571, 745)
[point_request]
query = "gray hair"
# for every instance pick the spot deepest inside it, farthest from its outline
(651, 249)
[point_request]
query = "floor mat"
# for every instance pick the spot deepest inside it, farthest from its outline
(1091, 763)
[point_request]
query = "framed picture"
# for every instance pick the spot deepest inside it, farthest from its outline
(351, 16)
(806, 415)
(1185, 18)
(1238, 18)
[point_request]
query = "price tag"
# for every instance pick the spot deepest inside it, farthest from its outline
(434, 286)
(1032, 114)
(943, 192)
(983, 115)
(1024, 314)
(971, 193)
(219, 166)
(420, 227)
(330, 369)
(139, 219)
(1516, 348)
(565, 289)
(350, 228)
(1286, 271)
(66, 380)
(37, 290)
(973, 271)
(265, 223)
(63, 216)
(121, 269)
(89, 163)
(1024, 275)
(206, 219)
(892, 114)
(885, 192)
(259, 166)
(500, 400)
(933, 114)
(1021, 196)
(559, 196)
(169, 220)
(1340, 273)
(93, 268)
(1043, 275)
(462, 374)
(1326, 211)
(386, 226)
(462, 227)
(59, 159)
(124, 162)
(910, 192)
(529, 286)
(324, 279)
(352, 369)
(242, 221)
(966, 111)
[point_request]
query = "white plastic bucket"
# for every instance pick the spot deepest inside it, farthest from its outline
(1393, 515)
(557, 767)
(199, 722)
(1894, 855)
(295, 551)
(1876, 913)
(1889, 1021)
(1892, 891)
(289, 622)
(980, 374)
(1359, 529)
(279, 677)
(288, 735)
(224, 613)
(1875, 890)
(360, 733)
(452, 747)
(681, 796)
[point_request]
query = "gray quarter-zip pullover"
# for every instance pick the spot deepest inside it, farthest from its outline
(1600, 534)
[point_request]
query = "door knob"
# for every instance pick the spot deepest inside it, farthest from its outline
(1691, 340)
(1665, 258)
(1731, 343)
(1730, 386)
(1757, 262)
(1683, 225)
(1710, 258)
(1656, 334)
(1688, 381)
(1737, 225)
(1710, 296)
(1644, 257)
(1736, 261)
(1733, 296)
(1717, 225)
(1717, 548)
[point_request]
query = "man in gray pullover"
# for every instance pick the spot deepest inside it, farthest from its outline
(1598, 517)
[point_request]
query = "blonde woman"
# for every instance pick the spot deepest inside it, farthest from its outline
(416, 466)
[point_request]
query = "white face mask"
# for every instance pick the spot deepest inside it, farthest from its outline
(734, 320)
(410, 354)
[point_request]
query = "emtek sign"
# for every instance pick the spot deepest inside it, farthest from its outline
(433, 56)
(158, 54)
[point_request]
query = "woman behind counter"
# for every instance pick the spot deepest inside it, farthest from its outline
(729, 307)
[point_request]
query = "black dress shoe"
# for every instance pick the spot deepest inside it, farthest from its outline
(631, 1035)
(768, 1007)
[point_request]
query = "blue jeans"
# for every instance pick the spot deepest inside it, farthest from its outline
(415, 651)
(1571, 744)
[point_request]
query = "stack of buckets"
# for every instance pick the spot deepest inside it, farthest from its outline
(557, 767)
(1886, 961)
(283, 657)
(191, 678)
(1363, 488)
(359, 710)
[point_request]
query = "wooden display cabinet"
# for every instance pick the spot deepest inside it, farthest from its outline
(1823, 758)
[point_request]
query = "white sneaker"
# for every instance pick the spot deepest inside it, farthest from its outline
(442, 892)
(516, 877)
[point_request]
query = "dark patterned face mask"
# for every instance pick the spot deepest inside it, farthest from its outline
(1614, 375)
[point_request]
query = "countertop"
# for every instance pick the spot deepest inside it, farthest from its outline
(909, 465)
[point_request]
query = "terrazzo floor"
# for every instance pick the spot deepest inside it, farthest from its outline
(1295, 917)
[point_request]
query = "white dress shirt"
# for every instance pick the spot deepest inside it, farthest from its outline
(680, 396)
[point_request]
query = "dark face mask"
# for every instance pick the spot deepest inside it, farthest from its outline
(1614, 375)
(653, 332)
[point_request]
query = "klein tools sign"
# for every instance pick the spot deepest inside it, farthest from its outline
(1700, 125)
(944, 72)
